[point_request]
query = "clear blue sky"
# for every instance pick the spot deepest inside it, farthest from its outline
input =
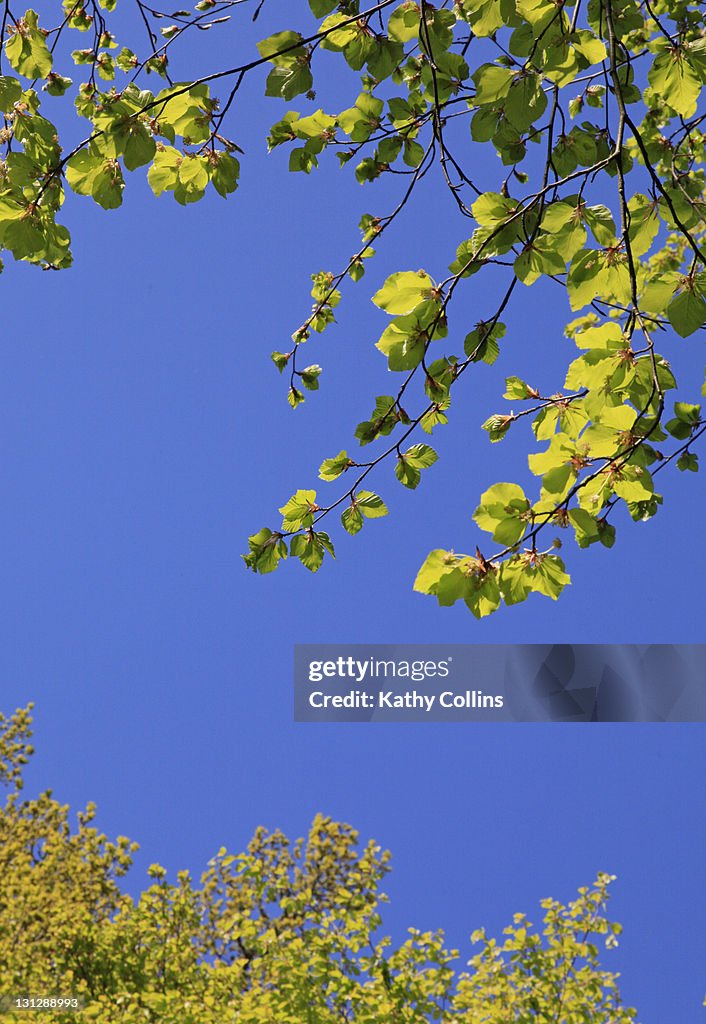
(145, 434)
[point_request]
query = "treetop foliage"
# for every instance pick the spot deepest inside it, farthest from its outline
(285, 931)
(591, 111)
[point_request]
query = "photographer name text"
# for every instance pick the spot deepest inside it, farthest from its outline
(409, 700)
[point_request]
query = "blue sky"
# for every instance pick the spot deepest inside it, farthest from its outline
(145, 434)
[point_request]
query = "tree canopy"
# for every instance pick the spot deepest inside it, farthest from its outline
(285, 931)
(590, 111)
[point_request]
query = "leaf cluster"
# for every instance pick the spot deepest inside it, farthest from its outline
(608, 209)
(285, 931)
(591, 190)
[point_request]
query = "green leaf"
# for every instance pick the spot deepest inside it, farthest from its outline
(535, 573)
(310, 548)
(299, 511)
(310, 377)
(371, 505)
(406, 474)
(412, 462)
(606, 533)
(272, 47)
(413, 153)
(385, 416)
(492, 83)
(481, 344)
(557, 216)
(126, 60)
(678, 429)
(295, 397)
(687, 418)
(585, 275)
(585, 527)
(688, 461)
(687, 312)
(633, 484)
(225, 172)
(436, 565)
(688, 412)
(403, 291)
(557, 482)
(366, 505)
(108, 185)
(537, 258)
(406, 338)
(27, 49)
(485, 16)
(24, 238)
(600, 221)
(644, 223)
(497, 426)
(548, 576)
(332, 468)
(492, 209)
(484, 124)
(675, 80)
(339, 39)
(192, 179)
(453, 586)
(363, 119)
(10, 93)
(525, 101)
(280, 359)
(352, 519)
(384, 58)
(504, 511)
(56, 85)
(163, 175)
(140, 147)
(81, 171)
(404, 342)
(435, 417)
(421, 455)
(320, 8)
(608, 338)
(440, 375)
(266, 551)
(289, 80)
(513, 583)
(186, 110)
(453, 577)
(516, 388)
(590, 47)
(403, 24)
(482, 595)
